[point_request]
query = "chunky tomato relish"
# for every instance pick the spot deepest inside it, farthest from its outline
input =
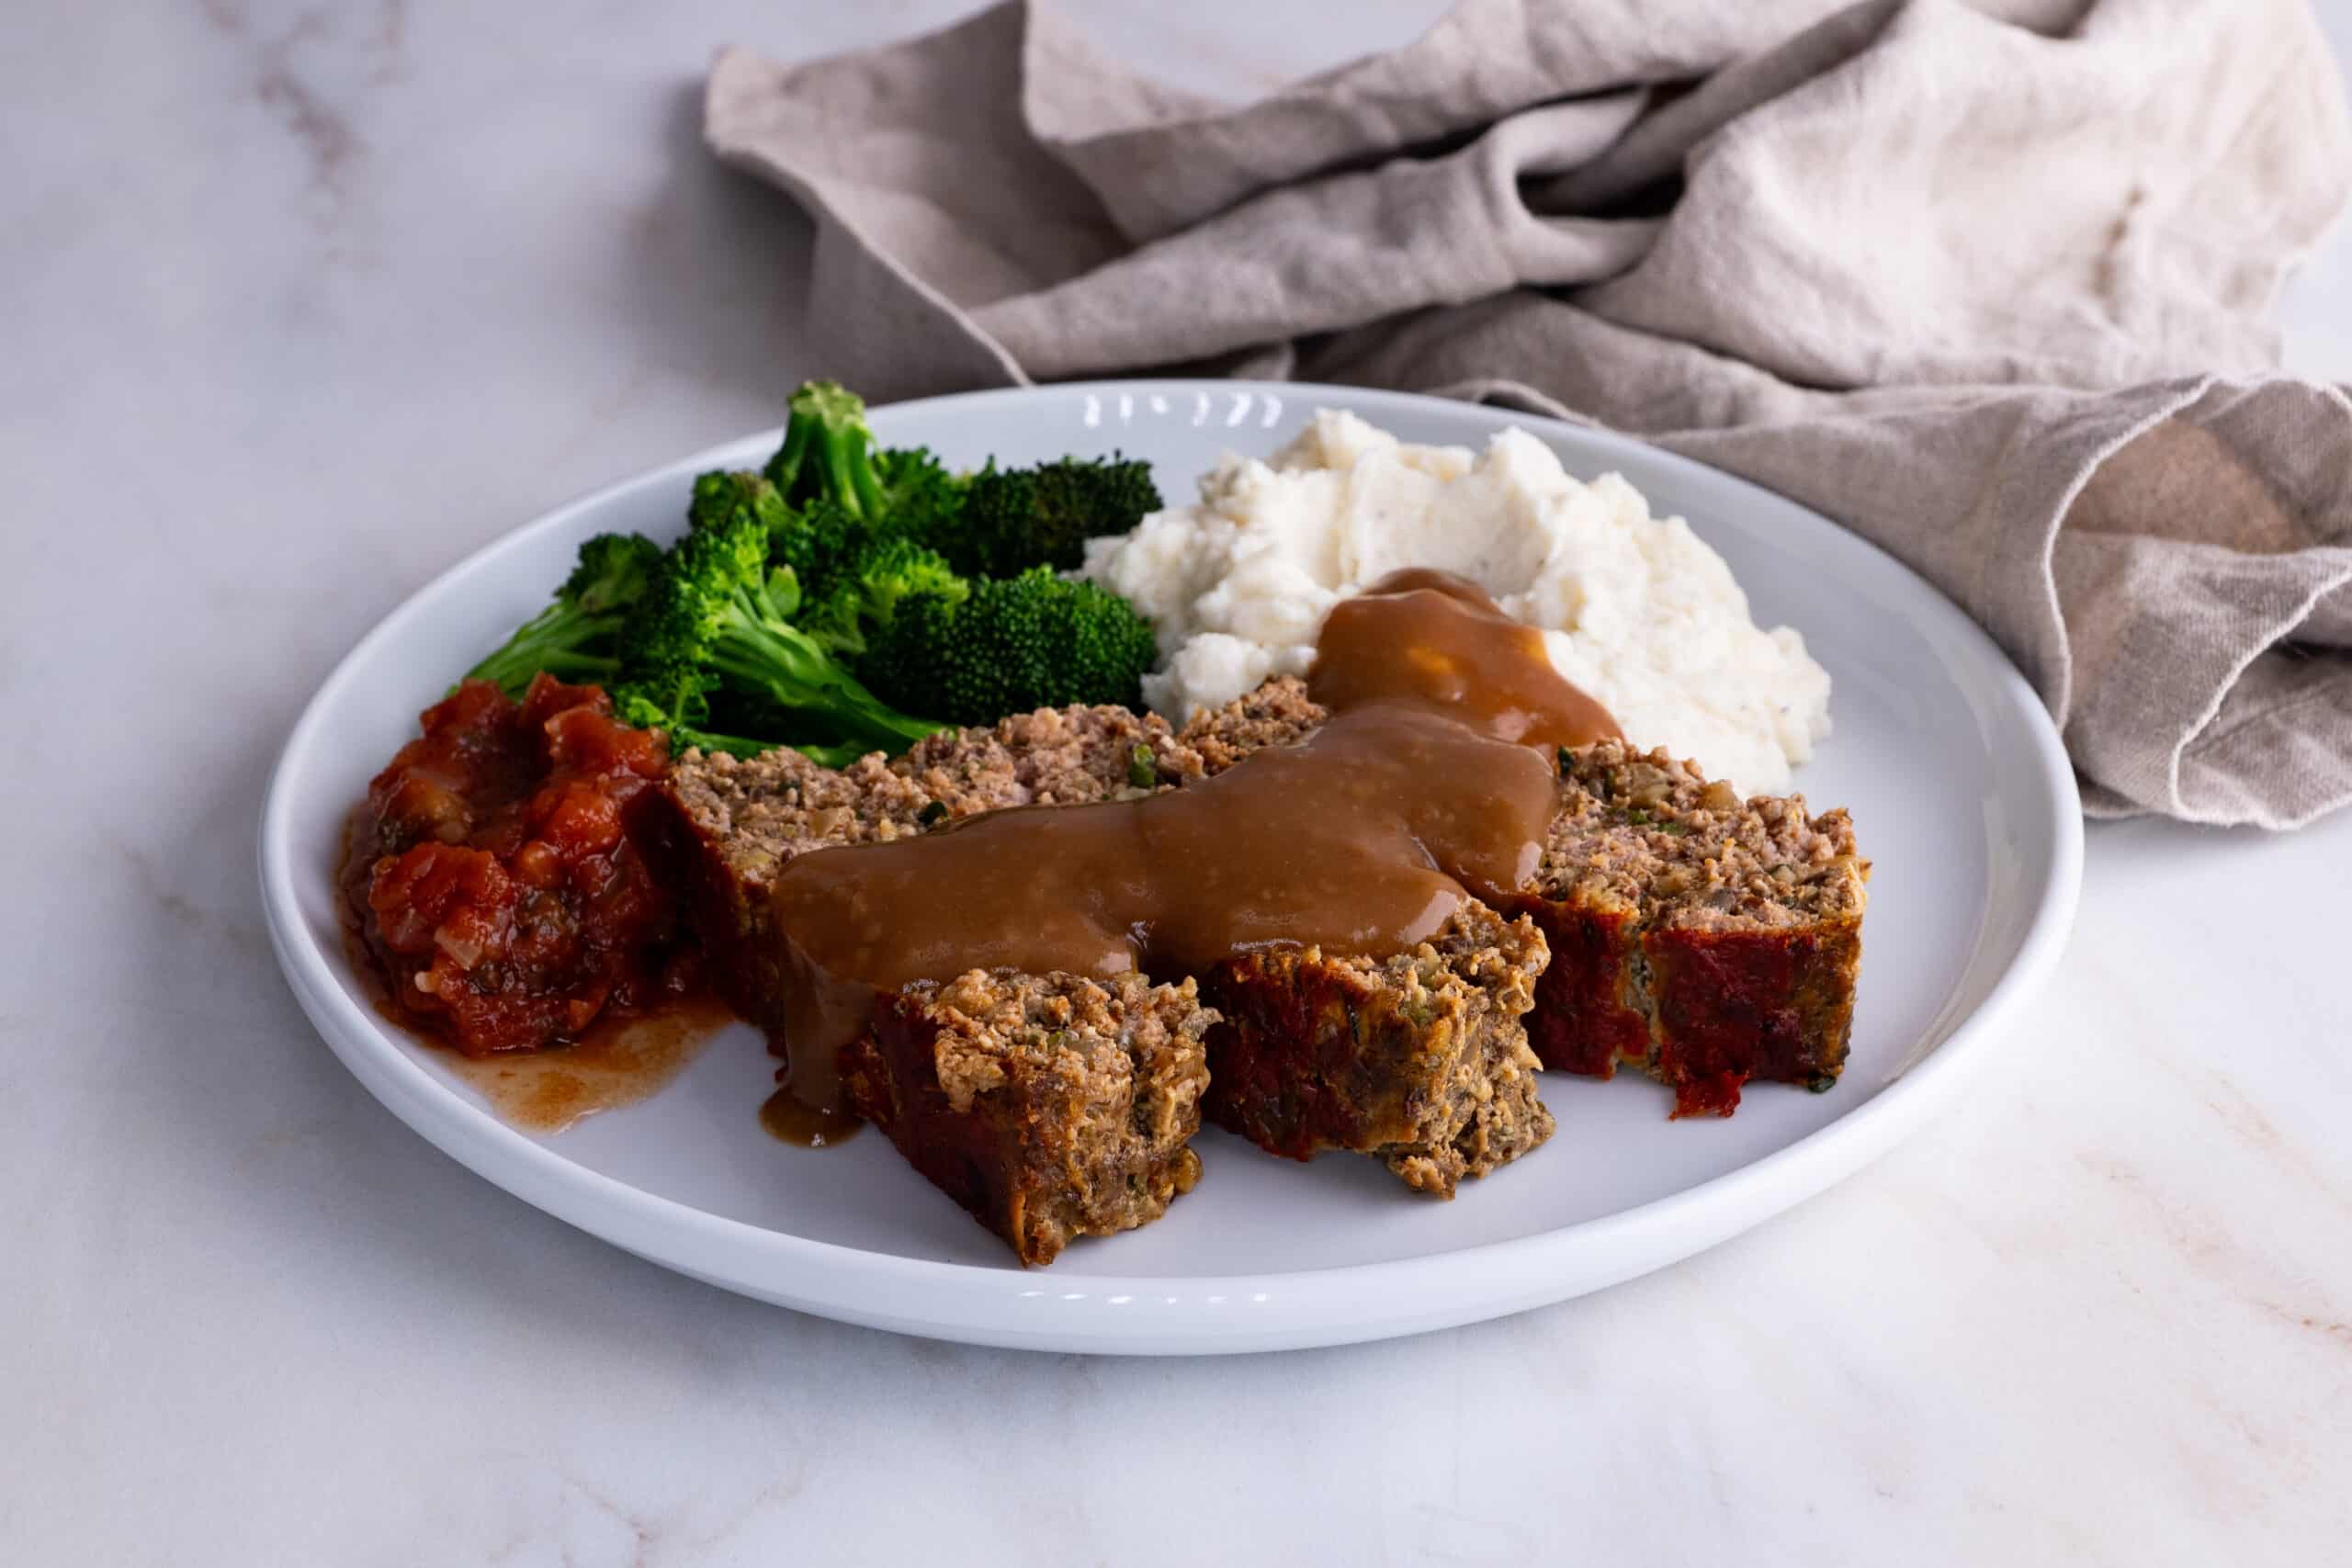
(507, 873)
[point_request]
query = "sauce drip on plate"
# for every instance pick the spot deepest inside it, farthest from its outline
(1431, 782)
(790, 1120)
(618, 1062)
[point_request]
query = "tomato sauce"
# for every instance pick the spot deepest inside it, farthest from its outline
(508, 873)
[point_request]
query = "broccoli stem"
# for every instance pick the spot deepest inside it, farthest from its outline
(785, 665)
(784, 467)
(576, 639)
(828, 427)
(849, 463)
(548, 641)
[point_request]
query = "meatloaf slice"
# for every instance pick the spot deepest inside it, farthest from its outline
(1050, 1107)
(741, 819)
(1419, 1060)
(1708, 938)
(1465, 1102)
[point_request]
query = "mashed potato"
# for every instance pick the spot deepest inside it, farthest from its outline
(1634, 608)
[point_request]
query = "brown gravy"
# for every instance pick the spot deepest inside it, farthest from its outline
(1432, 781)
(789, 1120)
(1435, 640)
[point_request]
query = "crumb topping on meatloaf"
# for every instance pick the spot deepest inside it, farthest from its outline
(765, 810)
(1108, 1032)
(1049, 1106)
(1644, 857)
(760, 811)
(1070, 756)
(770, 808)
(1643, 827)
(1477, 977)
(1276, 714)
(1418, 1058)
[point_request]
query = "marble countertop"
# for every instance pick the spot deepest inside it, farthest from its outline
(305, 303)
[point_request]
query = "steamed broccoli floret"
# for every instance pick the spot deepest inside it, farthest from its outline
(721, 493)
(1017, 518)
(812, 541)
(864, 590)
(829, 458)
(924, 495)
(577, 638)
(828, 451)
(1017, 643)
(795, 538)
(715, 612)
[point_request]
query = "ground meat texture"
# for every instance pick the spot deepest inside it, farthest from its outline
(1068, 756)
(1443, 1018)
(1709, 940)
(736, 821)
(740, 820)
(753, 814)
(1276, 714)
(1419, 1060)
(1050, 1107)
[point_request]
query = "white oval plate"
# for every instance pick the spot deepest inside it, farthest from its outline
(1957, 781)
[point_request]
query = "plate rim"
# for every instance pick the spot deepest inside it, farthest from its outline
(1336, 1304)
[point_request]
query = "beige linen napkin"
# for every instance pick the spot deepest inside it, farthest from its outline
(1989, 284)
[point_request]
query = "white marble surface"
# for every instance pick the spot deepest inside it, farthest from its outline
(302, 304)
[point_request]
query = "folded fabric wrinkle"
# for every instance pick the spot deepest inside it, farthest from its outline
(1991, 286)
